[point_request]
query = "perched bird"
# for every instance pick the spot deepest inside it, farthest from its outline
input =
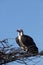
(26, 42)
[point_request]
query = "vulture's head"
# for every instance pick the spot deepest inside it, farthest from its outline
(20, 32)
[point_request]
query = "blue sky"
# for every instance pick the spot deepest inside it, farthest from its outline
(25, 14)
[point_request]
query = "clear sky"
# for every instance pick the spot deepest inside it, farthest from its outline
(25, 14)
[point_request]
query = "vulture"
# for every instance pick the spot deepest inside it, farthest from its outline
(26, 42)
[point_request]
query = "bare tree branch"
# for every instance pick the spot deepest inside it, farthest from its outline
(9, 54)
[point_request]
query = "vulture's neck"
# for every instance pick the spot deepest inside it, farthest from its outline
(20, 35)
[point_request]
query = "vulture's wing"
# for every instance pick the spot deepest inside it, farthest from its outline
(27, 40)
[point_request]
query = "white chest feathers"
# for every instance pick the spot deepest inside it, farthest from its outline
(19, 37)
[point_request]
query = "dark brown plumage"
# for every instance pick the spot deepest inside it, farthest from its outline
(26, 42)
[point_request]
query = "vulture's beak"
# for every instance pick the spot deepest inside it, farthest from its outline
(18, 30)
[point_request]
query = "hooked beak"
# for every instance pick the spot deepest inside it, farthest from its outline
(18, 30)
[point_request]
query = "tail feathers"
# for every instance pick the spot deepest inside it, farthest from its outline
(33, 50)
